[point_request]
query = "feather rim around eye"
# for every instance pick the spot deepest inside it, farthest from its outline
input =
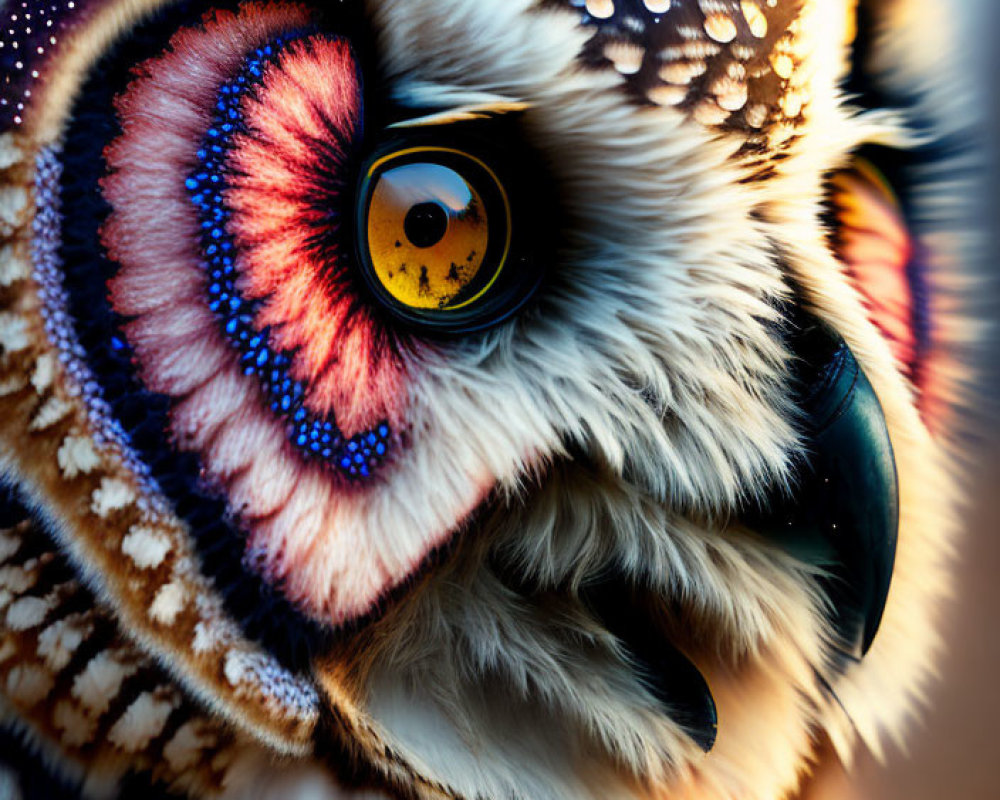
(454, 213)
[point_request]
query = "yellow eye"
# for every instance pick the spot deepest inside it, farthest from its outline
(435, 233)
(428, 232)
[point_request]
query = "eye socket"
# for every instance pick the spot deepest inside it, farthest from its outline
(438, 241)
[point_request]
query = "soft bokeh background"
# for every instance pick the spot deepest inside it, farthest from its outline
(955, 753)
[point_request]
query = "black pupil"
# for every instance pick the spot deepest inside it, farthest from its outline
(425, 224)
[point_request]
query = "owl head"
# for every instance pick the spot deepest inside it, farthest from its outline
(494, 399)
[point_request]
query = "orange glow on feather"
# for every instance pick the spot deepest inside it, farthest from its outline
(876, 245)
(890, 271)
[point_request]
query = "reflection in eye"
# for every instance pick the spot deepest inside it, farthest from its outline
(428, 232)
(438, 244)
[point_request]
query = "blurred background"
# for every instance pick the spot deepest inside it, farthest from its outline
(954, 752)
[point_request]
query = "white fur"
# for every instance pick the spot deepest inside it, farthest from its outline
(147, 547)
(654, 201)
(45, 370)
(113, 494)
(168, 603)
(12, 333)
(13, 202)
(58, 642)
(51, 411)
(27, 612)
(77, 456)
(100, 681)
(142, 720)
(12, 268)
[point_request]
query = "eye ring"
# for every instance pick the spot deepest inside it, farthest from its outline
(439, 242)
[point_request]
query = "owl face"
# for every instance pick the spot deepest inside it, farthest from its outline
(352, 351)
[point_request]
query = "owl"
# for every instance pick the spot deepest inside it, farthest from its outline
(537, 399)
